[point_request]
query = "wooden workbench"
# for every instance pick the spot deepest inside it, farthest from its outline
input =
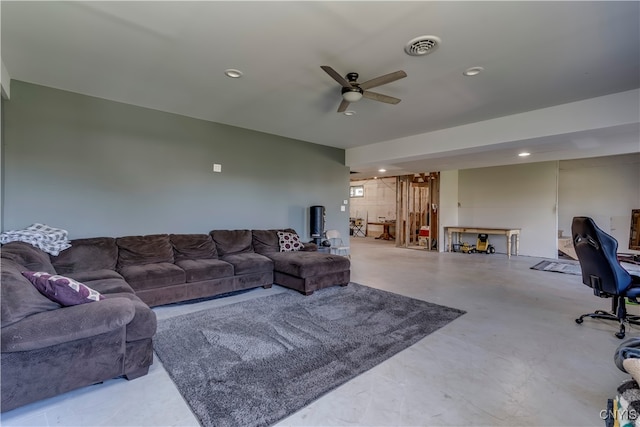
(507, 232)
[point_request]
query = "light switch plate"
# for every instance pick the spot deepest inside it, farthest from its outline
(342, 208)
(345, 202)
(217, 167)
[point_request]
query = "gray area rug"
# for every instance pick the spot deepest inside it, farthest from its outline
(255, 362)
(573, 267)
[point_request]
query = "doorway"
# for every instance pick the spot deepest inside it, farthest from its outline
(400, 210)
(418, 197)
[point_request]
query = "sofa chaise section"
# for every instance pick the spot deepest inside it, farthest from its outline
(48, 349)
(305, 270)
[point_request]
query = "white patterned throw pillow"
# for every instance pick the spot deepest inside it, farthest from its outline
(289, 242)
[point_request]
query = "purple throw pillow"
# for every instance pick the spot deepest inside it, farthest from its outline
(289, 242)
(63, 290)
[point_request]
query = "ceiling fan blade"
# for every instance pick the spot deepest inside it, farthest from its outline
(380, 97)
(343, 106)
(337, 77)
(383, 80)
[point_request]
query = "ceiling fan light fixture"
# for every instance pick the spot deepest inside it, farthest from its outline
(352, 95)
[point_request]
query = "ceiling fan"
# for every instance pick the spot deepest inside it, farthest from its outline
(352, 91)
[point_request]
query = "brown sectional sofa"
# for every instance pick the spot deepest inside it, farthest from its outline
(48, 349)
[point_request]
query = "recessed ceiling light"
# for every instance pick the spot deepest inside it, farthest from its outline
(349, 113)
(233, 73)
(382, 170)
(473, 71)
(524, 154)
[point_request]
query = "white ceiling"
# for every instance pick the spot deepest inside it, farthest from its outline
(171, 56)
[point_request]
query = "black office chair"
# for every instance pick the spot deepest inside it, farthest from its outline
(601, 270)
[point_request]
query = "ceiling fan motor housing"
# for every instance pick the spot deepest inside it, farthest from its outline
(352, 89)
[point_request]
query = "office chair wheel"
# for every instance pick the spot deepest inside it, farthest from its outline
(620, 334)
(579, 321)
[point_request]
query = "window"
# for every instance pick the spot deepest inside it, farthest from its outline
(356, 191)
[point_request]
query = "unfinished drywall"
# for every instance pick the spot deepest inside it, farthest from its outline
(378, 203)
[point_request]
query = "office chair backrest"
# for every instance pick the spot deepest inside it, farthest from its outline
(597, 253)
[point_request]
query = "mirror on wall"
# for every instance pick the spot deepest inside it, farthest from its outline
(634, 233)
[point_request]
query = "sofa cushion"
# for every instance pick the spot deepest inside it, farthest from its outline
(86, 276)
(193, 246)
(265, 241)
(204, 269)
(249, 263)
(149, 276)
(308, 264)
(140, 250)
(289, 242)
(63, 290)
(231, 242)
(28, 256)
(96, 253)
(111, 285)
(19, 298)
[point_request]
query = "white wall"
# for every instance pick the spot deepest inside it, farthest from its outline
(515, 196)
(602, 112)
(525, 196)
(605, 189)
(448, 206)
(5, 81)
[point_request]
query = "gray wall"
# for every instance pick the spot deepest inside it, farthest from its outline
(101, 168)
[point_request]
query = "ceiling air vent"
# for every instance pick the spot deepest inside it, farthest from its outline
(422, 45)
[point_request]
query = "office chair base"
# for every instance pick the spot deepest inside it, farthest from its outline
(601, 314)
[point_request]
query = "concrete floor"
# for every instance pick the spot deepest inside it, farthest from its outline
(517, 358)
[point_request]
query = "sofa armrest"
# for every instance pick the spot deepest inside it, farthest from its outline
(309, 247)
(67, 324)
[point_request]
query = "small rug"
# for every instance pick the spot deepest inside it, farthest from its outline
(559, 267)
(573, 267)
(255, 362)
